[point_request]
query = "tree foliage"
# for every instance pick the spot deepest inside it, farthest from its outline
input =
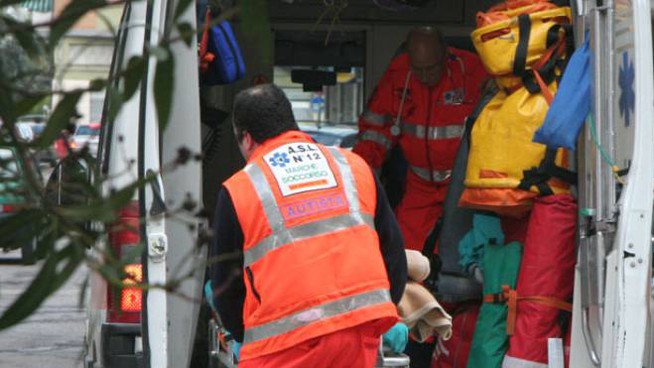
(71, 217)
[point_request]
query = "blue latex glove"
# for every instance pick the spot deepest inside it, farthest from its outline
(236, 348)
(397, 337)
(208, 295)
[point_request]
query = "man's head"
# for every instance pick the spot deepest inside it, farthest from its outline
(260, 113)
(427, 54)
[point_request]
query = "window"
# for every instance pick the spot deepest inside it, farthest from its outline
(8, 167)
(333, 105)
(87, 130)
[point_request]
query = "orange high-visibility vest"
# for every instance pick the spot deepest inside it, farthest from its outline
(312, 263)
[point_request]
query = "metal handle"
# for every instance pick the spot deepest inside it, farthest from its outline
(588, 338)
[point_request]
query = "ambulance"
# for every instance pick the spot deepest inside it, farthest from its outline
(355, 39)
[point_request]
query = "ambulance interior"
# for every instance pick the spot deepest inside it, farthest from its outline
(354, 44)
(353, 41)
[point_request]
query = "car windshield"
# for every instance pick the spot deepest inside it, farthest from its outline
(87, 130)
(8, 167)
(325, 138)
(38, 129)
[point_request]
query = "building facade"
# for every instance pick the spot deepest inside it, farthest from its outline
(84, 54)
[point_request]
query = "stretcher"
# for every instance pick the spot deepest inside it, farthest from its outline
(387, 359)
(221, 346)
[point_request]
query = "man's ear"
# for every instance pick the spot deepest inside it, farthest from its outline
(248, 141)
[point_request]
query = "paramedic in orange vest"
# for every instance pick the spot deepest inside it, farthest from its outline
(320, 262)
(421, 103)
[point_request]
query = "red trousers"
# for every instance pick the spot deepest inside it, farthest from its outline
(420, 208)
(354, 347)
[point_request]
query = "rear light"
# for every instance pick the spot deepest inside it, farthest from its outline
(131, 298)
(125, 305)
(11, 208)
(7, 208)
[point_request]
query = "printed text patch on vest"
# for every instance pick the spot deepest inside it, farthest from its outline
(300, 167)
(313, 206)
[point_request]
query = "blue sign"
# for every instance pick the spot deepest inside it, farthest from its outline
(317, 103)
(626, 78)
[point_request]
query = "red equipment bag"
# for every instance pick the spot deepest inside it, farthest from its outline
(545, 283)
(454, 352)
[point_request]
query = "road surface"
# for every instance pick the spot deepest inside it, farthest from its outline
(53, 337)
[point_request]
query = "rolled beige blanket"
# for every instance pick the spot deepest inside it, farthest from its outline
(418, 265)
(422, 313)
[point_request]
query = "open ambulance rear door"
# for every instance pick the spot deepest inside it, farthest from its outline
(611, 319)
(154, 328)
(170, 318)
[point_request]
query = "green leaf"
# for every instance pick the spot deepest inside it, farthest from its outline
(26, 105)
(56, 270)
(60, 118)
(102, 209)
(19, 227)
(114, 104)
(133, 75)
(97, 85)
(6, 105)
(160, 53)
(163, 89)
(182, 5)
(186, 33)
(26, 37)
(75, 10)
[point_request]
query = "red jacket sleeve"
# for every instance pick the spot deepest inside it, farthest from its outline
(375, 138)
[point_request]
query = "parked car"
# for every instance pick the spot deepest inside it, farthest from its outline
(335, 135)
(87, 135)
(12, 198)
(33, 119)
(37, 129)
(25, 132)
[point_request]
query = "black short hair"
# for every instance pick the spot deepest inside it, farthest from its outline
(264, 111)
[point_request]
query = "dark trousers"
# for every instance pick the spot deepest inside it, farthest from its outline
(420, 353)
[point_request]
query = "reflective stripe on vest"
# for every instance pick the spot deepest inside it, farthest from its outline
(374, 119)
(376, 137)
(281, 234)
(328, 310)
(435, 176)
(439, 132)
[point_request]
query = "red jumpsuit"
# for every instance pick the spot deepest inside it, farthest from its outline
(428, 130)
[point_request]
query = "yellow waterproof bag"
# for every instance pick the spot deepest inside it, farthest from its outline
(510, 38)
(506, 170)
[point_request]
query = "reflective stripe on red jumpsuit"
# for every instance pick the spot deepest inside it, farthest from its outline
(431, 124)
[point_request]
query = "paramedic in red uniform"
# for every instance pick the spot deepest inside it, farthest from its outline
(320, 263)
(420, 103)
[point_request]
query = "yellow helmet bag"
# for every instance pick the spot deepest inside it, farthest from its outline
(512, 36)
